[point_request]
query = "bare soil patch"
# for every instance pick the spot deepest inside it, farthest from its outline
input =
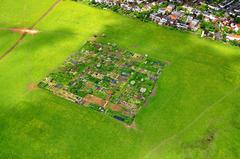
(154, 91)
(23, 34)
(89, 85)
(32, 86)
(24, 31)
(132, 126)
(116, 108)
(91, 99)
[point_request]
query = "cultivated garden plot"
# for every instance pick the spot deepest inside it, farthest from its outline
(105, 78)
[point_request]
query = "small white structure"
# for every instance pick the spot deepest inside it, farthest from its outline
(210, 16)
(194, 24)
(132, 82)
(143, 90)
(170, 8)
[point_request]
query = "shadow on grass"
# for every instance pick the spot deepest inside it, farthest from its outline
(47, 38)
(53, 123)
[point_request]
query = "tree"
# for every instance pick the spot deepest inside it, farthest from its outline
(235, 43)
(203, 7)
(200, 17)
(208, 26)
(237, 19)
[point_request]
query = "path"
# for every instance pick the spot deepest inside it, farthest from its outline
(191, 123)
(9, 50)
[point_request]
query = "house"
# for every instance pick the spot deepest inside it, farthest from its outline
(125, 7)
(208, 16)
(189, 19)
(175, 15)
(232, 13)
(182, 25)
(236, 28)
(155, 17)
(176, 1)
(196, 12)
(188, 8)
(148, 6)
(211, 34)
(139, 1)
(136, 9)
(163, 21)
(194, 24)
(108, 2)
(233, 37)
(170, 8)
(226, 3)
(225, 21)
(214, 7)
(99, 1)
(237, 10)
(162, 11)
(130, 1)
(218, 36)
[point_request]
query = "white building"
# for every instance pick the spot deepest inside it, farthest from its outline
(233, 37)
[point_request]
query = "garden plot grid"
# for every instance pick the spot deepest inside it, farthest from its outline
(105, 78)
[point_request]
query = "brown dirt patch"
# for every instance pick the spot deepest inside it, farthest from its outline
(89, 85)
(127, 113)
(207, 140)
(32, 86)
(109, 92)
(31, 28)
(116, 108)
(91, 99)
(132, 126)
(154, 91)
(168, 62)
(24, 31)
(94, 38)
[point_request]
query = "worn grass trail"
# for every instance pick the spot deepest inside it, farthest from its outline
(189, 125)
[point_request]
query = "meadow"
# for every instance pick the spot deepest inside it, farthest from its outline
(194, 113)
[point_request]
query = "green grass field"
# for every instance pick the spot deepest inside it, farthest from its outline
(194, 114)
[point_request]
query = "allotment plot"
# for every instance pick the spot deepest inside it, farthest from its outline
(106, 78)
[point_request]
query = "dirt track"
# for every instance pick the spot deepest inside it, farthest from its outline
(9, 50)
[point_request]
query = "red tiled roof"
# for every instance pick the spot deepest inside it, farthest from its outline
(173, 17)
(236, 37)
